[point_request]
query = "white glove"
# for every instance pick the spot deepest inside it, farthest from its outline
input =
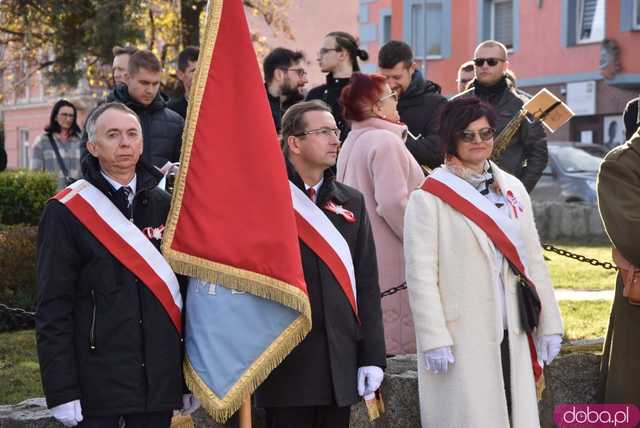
(189, 404)
(369, 379)
(70, 414)
(549, 347)
(438, 360)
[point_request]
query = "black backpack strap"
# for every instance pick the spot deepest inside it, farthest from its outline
(61, 164)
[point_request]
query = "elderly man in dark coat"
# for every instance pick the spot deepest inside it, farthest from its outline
(343, 355)
(108, 346)
(619, 203)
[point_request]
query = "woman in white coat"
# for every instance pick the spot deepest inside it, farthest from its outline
(467, 230)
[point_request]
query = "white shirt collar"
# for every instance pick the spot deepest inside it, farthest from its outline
(117, 186)
(316, 186)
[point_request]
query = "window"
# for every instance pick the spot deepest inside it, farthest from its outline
(23, 145)
(385, 28)
(636, 14)
(502, 22)
(590, 21)
(426, 31)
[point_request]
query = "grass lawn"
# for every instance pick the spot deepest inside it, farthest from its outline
(569, 273)
(585, 319)
(19, 370)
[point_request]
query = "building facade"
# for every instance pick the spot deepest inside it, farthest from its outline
(585, 51)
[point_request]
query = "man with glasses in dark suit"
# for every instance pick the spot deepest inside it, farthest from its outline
(526, 154)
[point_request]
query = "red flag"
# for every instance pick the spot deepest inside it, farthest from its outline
(232, 221)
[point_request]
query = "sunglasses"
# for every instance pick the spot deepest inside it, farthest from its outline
(485, 134)
(393, 95)
(491, 62)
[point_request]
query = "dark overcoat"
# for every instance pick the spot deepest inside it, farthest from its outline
(619, 204)
(419, 108)
(322, 369)
(102, 336)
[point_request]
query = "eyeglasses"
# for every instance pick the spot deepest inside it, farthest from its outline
(485, 134)
(393, 95)
(324, 132)
(301, 72)
(66, 114)
(491, 62)
(323, 51)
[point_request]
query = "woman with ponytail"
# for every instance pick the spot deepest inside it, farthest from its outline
(338, 57)
(375, 160)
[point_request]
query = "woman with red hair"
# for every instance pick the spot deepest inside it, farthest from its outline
(375, 160)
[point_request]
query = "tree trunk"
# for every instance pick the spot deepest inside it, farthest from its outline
(190, 11)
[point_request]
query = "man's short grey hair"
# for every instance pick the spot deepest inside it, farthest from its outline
(90, 125)
(493, 44)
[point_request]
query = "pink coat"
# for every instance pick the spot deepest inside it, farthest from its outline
(375, 160)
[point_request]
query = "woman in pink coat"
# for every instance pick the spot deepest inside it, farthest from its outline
(375, 160)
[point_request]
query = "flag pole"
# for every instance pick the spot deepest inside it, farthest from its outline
(245, 412)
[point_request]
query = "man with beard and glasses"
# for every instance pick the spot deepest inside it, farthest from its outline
(285, 78)
(419, 101)
(526, 154)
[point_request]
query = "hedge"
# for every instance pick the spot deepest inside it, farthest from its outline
(23, 195)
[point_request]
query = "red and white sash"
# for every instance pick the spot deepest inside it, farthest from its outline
(477, 208)
(465, 199)
(126, 243)
(321, 236)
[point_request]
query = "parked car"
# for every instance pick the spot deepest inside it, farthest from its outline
(598, 150)
(570, 175)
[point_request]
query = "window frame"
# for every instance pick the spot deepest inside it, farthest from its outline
(414, 47)
(24, 147)
(492, 22)
(635, 20)
(579, 6)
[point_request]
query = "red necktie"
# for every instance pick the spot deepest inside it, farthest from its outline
(311, 192)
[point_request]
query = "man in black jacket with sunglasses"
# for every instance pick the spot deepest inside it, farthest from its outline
(526, 155)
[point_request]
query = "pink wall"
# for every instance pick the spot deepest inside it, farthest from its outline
(310, 20)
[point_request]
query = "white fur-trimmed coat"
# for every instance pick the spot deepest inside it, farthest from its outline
(451, 275)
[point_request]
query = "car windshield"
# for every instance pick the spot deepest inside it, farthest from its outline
(574, 160)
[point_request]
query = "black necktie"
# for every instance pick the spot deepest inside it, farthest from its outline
(122, 200)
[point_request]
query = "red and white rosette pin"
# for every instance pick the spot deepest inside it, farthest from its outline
(515, 204)
(338, 209)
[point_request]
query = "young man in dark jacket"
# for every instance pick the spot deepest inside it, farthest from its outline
(526, 155)
(187, 61)
(343, 356)
(284, 79)
(108, 346)
(161, 127)
(419, 101)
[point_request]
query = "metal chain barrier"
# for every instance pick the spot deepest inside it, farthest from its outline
(578, 257)
(17, 312)
(393, 290)
(546, 247)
